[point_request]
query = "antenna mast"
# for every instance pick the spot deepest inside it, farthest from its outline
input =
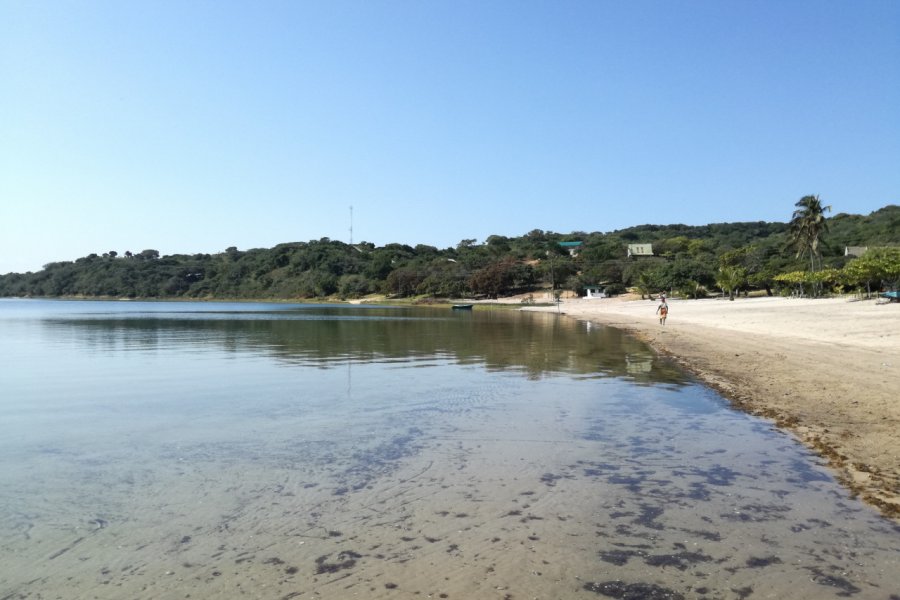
(351, 224)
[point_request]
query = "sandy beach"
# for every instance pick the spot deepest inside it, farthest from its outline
(828, 370)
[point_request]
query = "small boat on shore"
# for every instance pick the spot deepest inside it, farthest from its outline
(462, 307)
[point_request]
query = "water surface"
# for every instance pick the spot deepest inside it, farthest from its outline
(204, 450)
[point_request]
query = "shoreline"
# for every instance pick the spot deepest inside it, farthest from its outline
(826, 370)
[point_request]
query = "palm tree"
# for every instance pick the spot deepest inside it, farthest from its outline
(807, 226)
(731, 279)
(643, 284)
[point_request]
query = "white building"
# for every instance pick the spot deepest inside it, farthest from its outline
(640, 250)
(594, 291)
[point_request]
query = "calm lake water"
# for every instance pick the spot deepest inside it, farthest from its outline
(214, 450)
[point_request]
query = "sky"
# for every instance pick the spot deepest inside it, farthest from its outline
(190, 127)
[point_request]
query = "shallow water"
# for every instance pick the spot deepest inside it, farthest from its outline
(173, 450)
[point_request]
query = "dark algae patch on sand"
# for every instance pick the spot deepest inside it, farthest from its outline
(632, 591)
(345, 560)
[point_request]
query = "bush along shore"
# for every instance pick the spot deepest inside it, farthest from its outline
(843, 252)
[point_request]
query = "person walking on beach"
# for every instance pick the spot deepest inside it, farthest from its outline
(663, 311)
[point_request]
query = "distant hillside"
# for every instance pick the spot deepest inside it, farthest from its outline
(684, 257)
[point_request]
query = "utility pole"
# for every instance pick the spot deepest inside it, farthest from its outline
(552, 276)
(351, 224)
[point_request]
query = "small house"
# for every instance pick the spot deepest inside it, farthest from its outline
(640, 250)
(594, 291)
(855, 250)
(571, 247)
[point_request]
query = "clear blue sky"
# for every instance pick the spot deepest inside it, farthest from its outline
(193, 126)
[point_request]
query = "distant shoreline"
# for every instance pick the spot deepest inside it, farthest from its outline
(177, 299)
(826, 370)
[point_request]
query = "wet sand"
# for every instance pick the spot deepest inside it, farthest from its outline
(598, 493)
(828, 370)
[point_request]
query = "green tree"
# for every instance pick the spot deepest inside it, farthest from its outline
(692, 289)
(353, 286)
(148, 254)
(879, 265)
(645, 283)
(798, 279)
(446, 278)
(807, 227)
(498, 278)
(404, 281)
(730, 279)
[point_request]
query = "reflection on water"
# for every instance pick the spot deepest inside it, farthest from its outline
(326, 336)
(157, 450)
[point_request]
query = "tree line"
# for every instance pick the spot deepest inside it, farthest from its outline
(693, 261)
